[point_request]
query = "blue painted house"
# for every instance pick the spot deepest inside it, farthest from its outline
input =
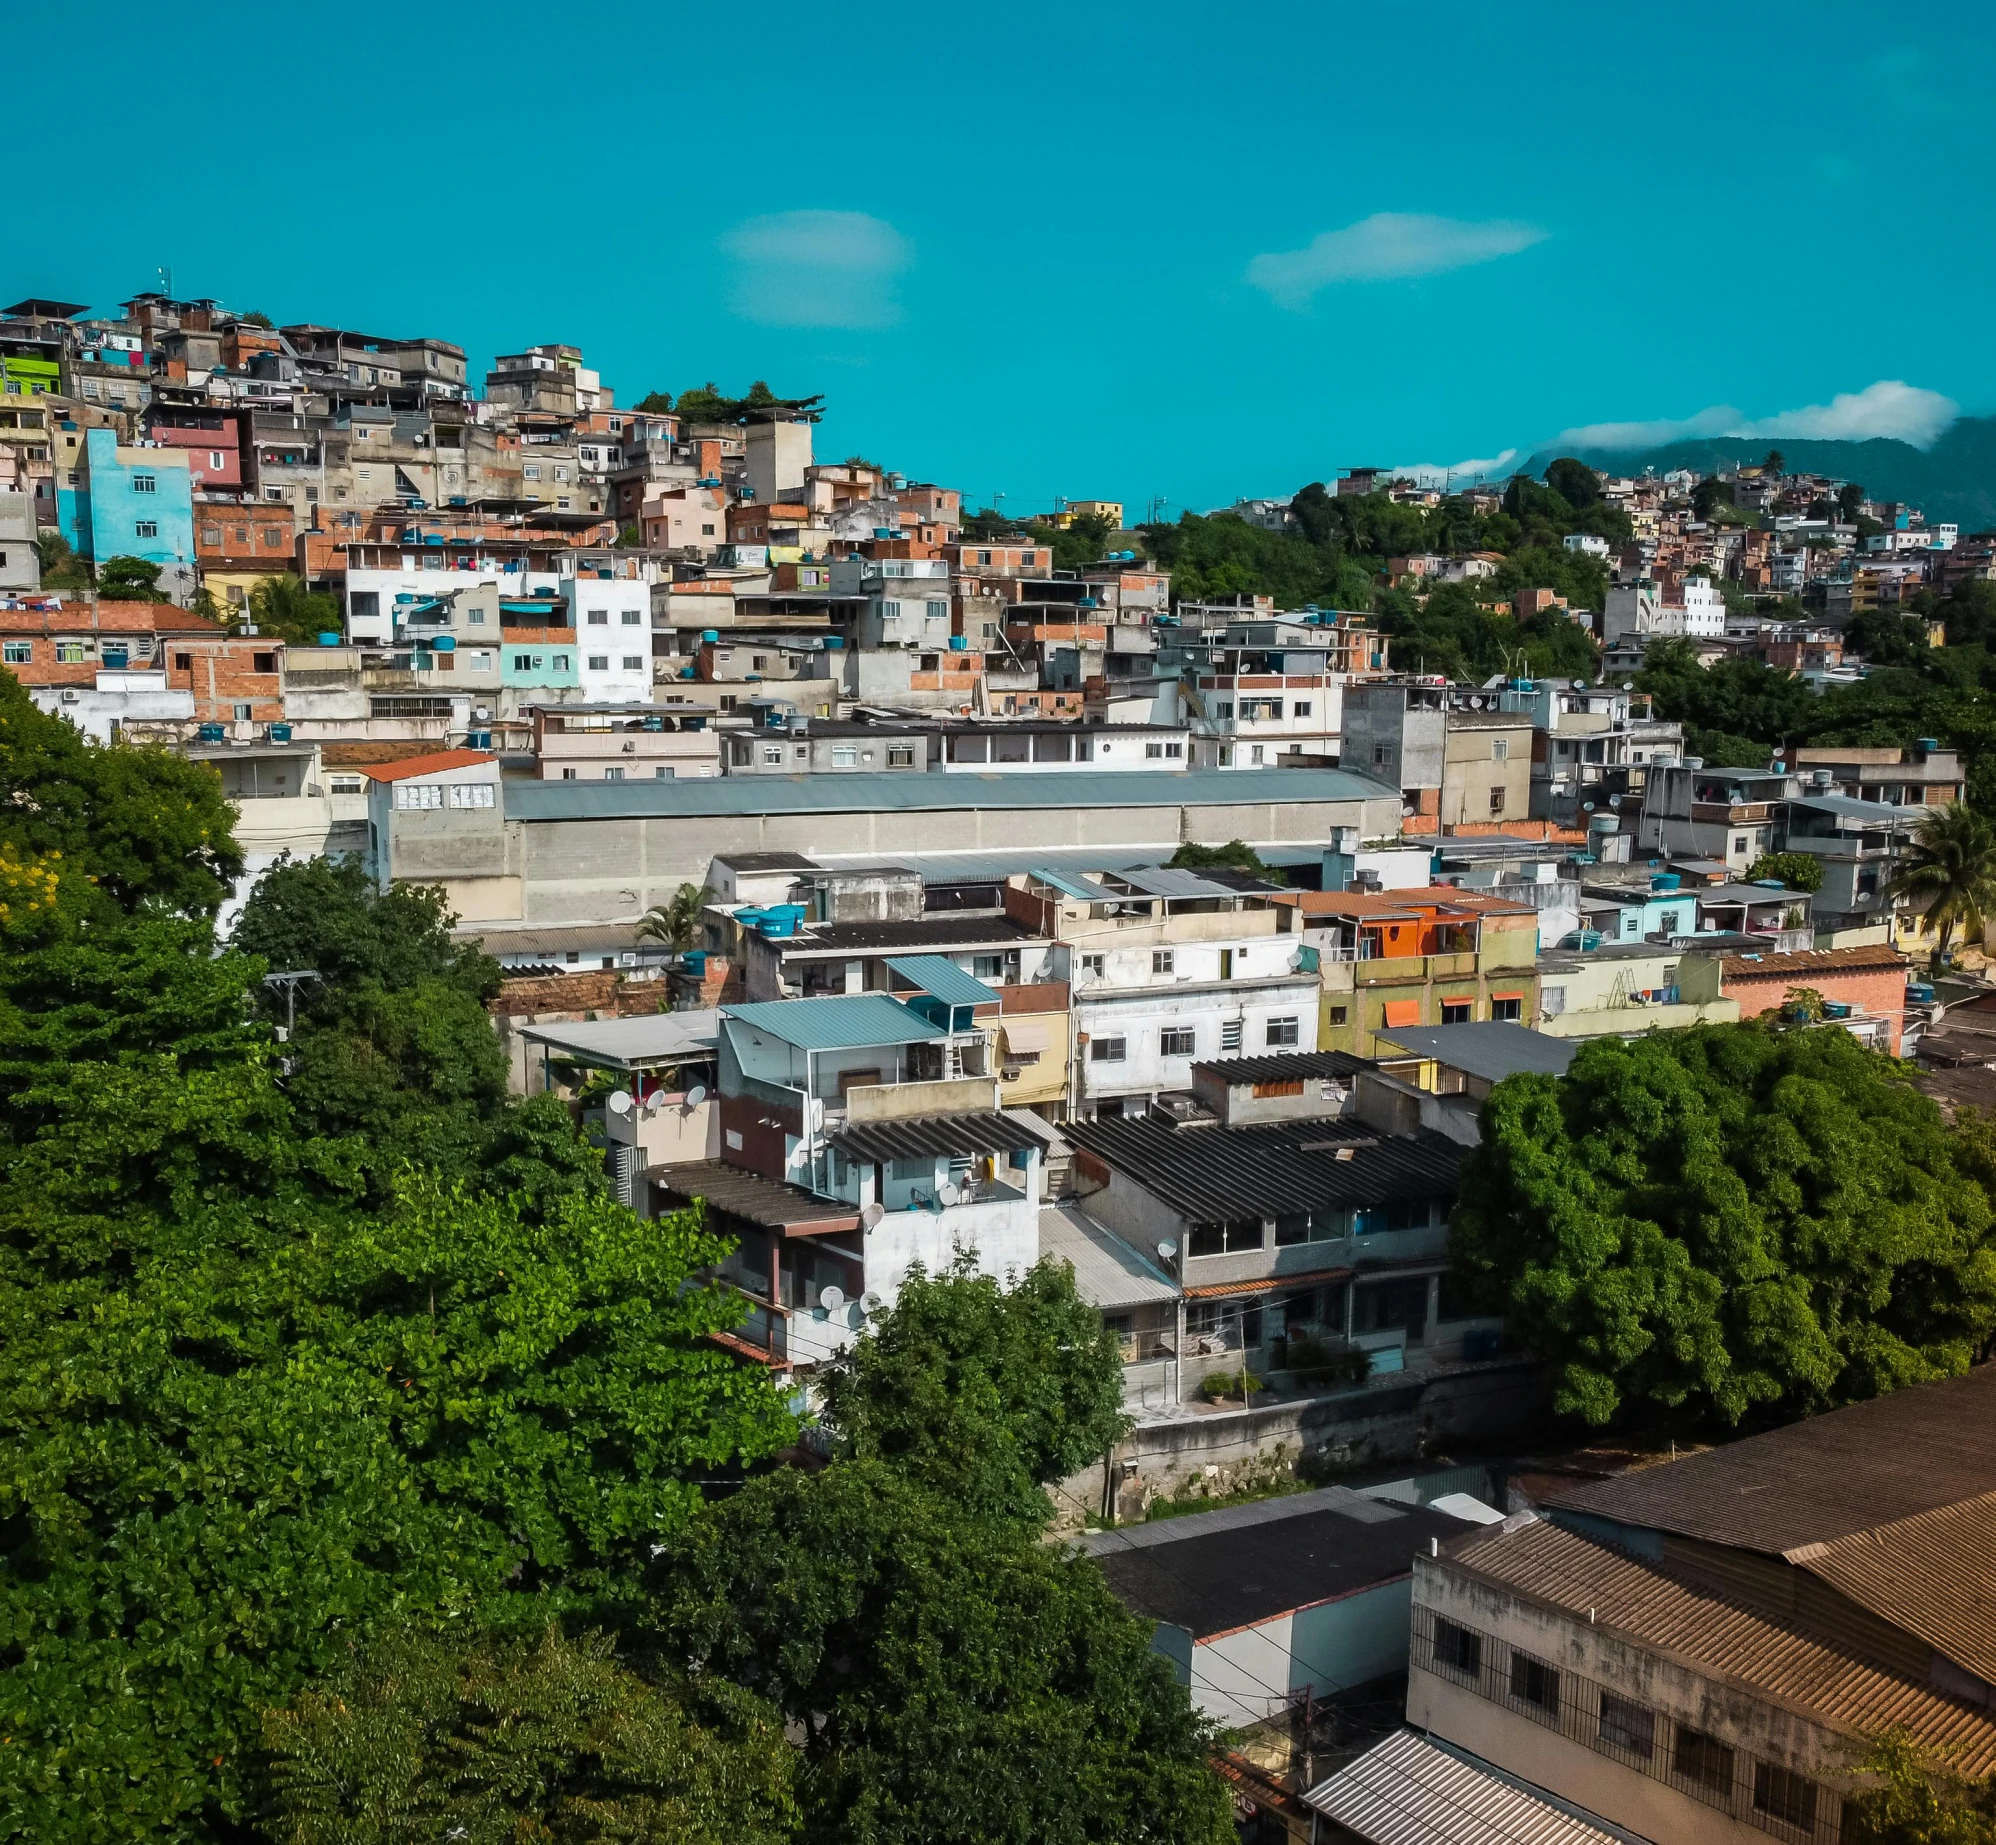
(137, 502)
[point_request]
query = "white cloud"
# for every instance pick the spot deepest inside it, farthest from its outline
(817, 269)
(1459, 473)
(1890, 407)
(1386, 247)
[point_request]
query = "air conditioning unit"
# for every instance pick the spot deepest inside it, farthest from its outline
(72, 696)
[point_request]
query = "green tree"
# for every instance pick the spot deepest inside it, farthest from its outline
(1797, 870)
(1075, 546)
(655, 403)
(1775, 464)
(61, 567)
(1709, 495)
(129, 579)
(677, 923)
(247, 1430)
(1225, 556)
(1236, 854)
(1574, 481)
(982, 1393)
(282, 606)
(1884, 637)
(146, 827)
(1906, 1797)
(1728, 1219)
(1948, 872)
(501, 1741)
(954, 1681)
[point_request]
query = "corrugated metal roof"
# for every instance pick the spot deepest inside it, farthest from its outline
(1933, 1574)
(1490, 1049)
(1108, 1273)
(1880, 955)
(937, 1137)
(1286, 1066)
(1576, 1575)
(1071, 884)
(917, 792)
(1172, 881)
(942, 979)
(1813, 1482)
(1410, 1790)
(840, 1022)
(1224, 1175)
(931, 933)
(628, 1044)
(753, 1197)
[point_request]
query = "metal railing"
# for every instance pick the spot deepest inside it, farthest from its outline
(1767, 1795)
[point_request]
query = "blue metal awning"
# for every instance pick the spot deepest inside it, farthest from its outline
(942, 979)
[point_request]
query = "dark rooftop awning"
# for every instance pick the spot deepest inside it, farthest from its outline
(936, 1137)
(768, 1203)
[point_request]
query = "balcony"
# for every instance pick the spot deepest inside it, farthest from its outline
(1400, 970)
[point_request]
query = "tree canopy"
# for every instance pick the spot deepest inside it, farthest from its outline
(1728, 1220)
(983, 1393)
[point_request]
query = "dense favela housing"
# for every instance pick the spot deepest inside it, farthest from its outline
(916, 891)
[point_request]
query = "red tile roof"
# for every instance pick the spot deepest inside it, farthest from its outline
(423, 765)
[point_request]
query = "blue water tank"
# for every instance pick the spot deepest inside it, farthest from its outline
(835, 643)
(694, 960)
(1665, 880)
(478, 739)
(444, 643)
(959, 643)
(211, 733)
(329, 640)
(280, 733)
(710, 635)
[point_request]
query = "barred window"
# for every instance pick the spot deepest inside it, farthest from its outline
(1457, 1648)
(1783, 1794)
(1704, 1759)
(1535, 1682)
(1628, 1726)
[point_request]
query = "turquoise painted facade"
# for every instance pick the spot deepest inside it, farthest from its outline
(135, 502)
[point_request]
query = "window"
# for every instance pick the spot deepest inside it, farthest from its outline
(1153, 752)
(1739, 843)
(146, 528)
(900, 755)
(413, 797)
(472, 794)
(1230, 1035)
(938, 611)
(634, 663)
(1509, 1007)
(664, 774)
(845, 755)
(1281, 1034)
(145, 483)
(613, 775)
(599, 662)
(772, 755)
(1339, 1014)
(244, 712)
(1534, 1682)
(1628, 1726)
(1783, 1794)
(263, 663)
(71, 653)
(1458, 1011)
(214, 458)
(560, 662)
(18, 653)
(1500, 749)
(1704, 1759)
(987, 967)
(1380, 755)
(1223, 1239)
(560, 472)
(1162, 960)
(568, 775)
(524, 662)
(599, 618)
(182, 662)
(1092, 965)
(1457, 1649)
(1175, 1043)
(1107, 1050)
(1320, 1226)
(532, 471)
(706, 531)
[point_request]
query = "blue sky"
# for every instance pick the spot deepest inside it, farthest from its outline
(1178, 251)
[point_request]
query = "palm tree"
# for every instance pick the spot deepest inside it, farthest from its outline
(677, 924)
(1949, 872)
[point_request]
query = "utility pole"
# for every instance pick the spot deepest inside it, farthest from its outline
(289, 981)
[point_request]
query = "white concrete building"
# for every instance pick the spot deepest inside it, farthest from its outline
(612, 621)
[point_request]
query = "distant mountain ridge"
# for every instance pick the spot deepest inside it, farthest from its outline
(1955, 480)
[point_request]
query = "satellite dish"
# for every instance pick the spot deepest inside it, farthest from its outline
(831, 1299)
(871, 1303)
(696, 1095)
(621, 1102)
(947, 1193)
(654, 1102)
(872, 1214)
(1168, 1250)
